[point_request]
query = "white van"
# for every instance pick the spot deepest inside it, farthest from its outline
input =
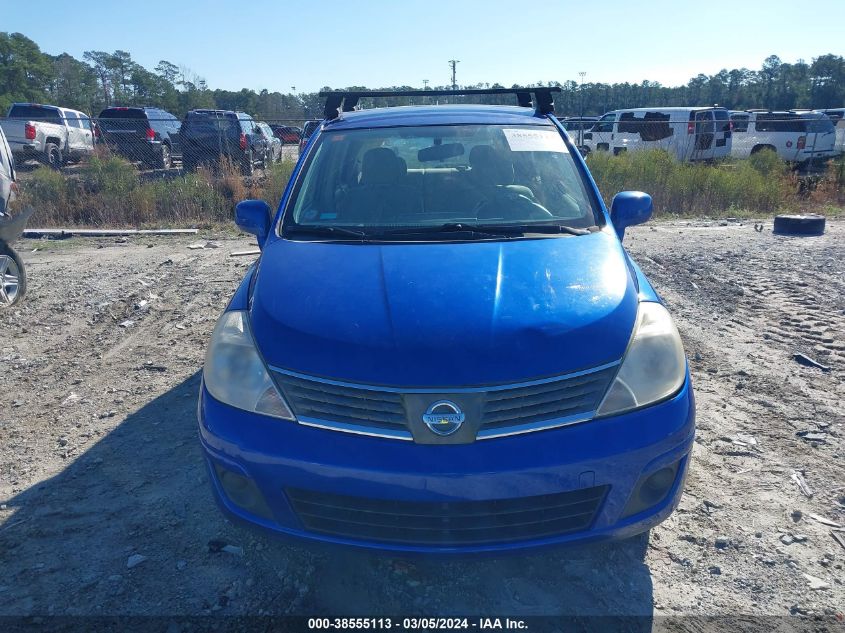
(576, 126)
(837, 115)
(797, 137)
(702, 133)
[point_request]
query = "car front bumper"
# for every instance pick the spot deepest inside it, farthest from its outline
(615, 454)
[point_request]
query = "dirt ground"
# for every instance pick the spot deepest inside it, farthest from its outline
(99, 459)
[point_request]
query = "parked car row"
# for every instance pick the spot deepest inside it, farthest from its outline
(154, 137)
(709, 133)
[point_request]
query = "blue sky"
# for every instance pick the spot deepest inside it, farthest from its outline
(276, 45)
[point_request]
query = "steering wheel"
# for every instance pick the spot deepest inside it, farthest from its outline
(517, 206)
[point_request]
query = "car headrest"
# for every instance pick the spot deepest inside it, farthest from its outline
(381, 166)
(489, 166)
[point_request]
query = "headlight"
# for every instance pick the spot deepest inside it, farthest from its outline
(654, 366)
(235, 374)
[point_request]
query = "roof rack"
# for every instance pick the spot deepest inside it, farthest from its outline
(345, 101)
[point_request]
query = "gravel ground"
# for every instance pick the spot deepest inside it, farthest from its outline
(105, 506)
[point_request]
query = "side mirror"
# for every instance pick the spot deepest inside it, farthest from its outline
(253, 216)
(629, 208)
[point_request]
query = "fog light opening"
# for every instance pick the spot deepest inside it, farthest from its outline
(657, 485)
(652, 489)
(243, 492)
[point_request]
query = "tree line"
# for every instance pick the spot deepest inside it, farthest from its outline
(101, 79)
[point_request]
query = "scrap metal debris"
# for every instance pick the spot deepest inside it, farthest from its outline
(823, 520)
(208, 244)
(806, 361)
(70, 232)
(798, 478)
(743, 439)
(216, 545)
(816, 583)
(812, 436)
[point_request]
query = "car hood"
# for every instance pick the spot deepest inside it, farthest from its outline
(444, 314)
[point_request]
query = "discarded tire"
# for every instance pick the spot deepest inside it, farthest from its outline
(799, 224)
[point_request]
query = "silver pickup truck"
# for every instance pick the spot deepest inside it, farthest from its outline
(49, 134)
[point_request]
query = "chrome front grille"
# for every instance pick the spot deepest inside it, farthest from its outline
(509, 409)
(318, 400)
(505, 409)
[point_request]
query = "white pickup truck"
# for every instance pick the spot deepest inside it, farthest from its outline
(49, 134)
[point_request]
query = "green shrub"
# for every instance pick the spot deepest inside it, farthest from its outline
(768, 163)
(46, 186)
(109, 175)
(277, 179)
(695, 188)
(189, 199)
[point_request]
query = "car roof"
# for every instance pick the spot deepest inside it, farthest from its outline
(117, 107)
(670, 109)
(133, 108)
(211, 111)
(36, 105)
(403, 116)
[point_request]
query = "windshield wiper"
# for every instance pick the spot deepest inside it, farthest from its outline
(450, 230)
(333, 231)
(551, 228)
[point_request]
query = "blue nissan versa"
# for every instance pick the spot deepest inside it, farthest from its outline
(443, 346)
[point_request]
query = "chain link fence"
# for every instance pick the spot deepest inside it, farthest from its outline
(146, 167)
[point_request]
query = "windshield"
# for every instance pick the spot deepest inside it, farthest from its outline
(428, 177)
(123, 113)
(35, 113)
(211, 122)
(820, 124)
(309, 128)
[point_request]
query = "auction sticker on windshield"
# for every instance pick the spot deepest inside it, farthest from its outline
(526, 140)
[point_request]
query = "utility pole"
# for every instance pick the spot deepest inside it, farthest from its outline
(453, 63)
(425, 84)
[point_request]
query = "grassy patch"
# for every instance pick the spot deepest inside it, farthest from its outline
(761, 185)
(108, 192)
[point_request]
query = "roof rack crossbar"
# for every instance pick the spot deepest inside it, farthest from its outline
(345, 101)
